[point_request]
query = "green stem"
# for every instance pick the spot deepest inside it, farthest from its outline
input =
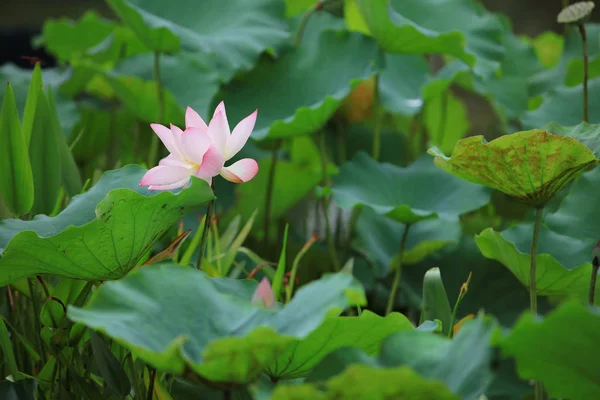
(270, 184)
(302, 25)
(150, 394)
(327, 184)
(378, 122)
(351, 230)
(36, 318)
(461, 295)
(205, 229)
(539, 390)
(595, 267)
(153, 152)
(533, 261)
(592, 295)
(397, 272)
(586, 116)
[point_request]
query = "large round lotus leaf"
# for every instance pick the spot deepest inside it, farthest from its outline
(458, 28)
(565, 243)
(234, 35)
(101, 235)
(532, 166)
(561, 350)
(364, 332)
(326, 69)
(173, 316)
(366, 382)
(462, 364)
(407, 195)
(588, 134)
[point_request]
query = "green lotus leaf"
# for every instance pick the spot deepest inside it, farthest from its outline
(175, 72)
(101, 235)
(560, 350)
(176, 317)
(407, 195)
(326, 68)
(462, 364)
(234, 35)
(364, 332)
(295, 180)
(564, 105)
(366, 382)
(588, 134)
(532, 166)
(565, 243)
(378, 238)
(401, 83)
(460, 29)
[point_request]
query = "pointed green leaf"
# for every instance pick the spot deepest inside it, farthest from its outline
(435, 300)
(383, 187)
(220, 335)
(101, 235)
(70, 175)
(364, 332)
(16, 179)
(278, 288)
(31, 104)
(561, 350)
(8, 354)
(44, 154)
(115, 378)
(532, 166)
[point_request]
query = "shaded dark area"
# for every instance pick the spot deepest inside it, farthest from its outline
(21, 21)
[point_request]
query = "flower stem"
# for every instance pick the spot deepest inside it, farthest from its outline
(36, 318)
(205, 229)
(378, 122)
(153, 152)
(397, 272)
(595, 267)
(533, 261)
(329, 236)
(582, 32)
(150, 394)
(270, 184)
(461, 295)
(539, 390)
(302, 25)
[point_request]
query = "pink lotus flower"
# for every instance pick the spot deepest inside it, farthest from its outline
(201, 150)
(263, 295)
